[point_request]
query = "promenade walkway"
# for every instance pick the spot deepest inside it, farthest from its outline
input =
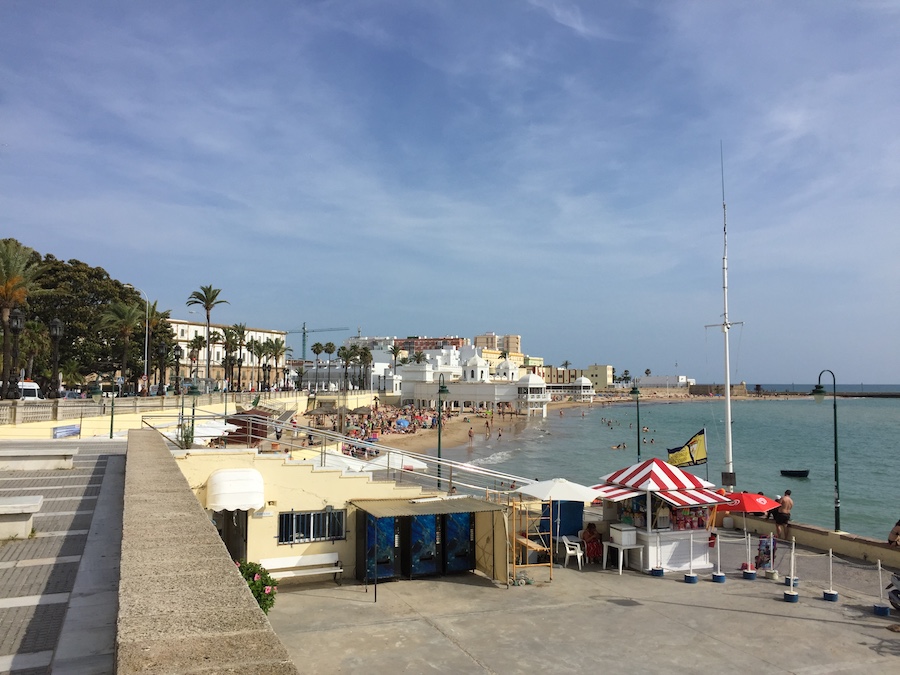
(58, 589)
(592, 621)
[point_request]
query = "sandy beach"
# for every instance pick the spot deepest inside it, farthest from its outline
(456, 430)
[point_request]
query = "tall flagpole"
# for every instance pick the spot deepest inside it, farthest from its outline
(726, 326)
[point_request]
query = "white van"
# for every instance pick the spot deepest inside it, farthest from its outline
(29, 390)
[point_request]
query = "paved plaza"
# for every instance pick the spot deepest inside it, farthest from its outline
(593, 621)
(58, 588)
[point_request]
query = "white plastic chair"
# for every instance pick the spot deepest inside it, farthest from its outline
(573, 549)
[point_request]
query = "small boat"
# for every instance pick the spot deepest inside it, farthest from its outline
(795, 473)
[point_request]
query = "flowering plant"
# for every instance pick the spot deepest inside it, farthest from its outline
(261, 584)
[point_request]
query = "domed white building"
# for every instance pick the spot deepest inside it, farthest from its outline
(583, 390)
(532, 398)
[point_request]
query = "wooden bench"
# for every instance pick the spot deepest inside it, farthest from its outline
(17, 514)
(25, 458)
(304, 566)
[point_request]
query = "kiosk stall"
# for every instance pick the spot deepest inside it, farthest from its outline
(674, 537)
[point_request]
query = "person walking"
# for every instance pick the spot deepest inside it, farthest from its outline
(783, 515)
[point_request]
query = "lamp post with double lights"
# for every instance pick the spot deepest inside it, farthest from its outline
(56, 332)
(16, 324)
(178, 352)
(442, 390)
(161, 352)
(819, 394)
(636, 395)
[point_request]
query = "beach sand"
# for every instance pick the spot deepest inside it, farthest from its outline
(455, 433)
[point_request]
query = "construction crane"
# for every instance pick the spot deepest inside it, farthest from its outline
(305, 331)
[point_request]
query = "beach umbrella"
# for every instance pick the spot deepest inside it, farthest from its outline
(747, 502)
(559, 490)
(402, 423)
(362, 410)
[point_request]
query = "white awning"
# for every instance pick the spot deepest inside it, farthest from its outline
(234, 490)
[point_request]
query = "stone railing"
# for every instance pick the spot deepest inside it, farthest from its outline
(183, 605)
(21, 412)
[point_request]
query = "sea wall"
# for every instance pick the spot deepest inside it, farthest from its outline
(844, 544)
(183, 605)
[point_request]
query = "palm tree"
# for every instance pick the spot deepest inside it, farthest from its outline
(70, 373)
(396, 350)
(317, 349)
(156, 319)
(207, 297)
(35, 341)
(123, 318)
(348, 355)
(258, 350)
(240, 334)
(195, 344)
(566, 364)
(365, 360)
(19, 269)
(278, 351)
(419, 357)
(647, 372)
(626, 375)
(329, 349)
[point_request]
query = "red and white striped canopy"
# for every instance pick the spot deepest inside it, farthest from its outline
(668, 482)
(655, 475)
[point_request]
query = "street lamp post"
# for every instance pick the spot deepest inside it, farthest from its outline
(56, 332)
(442, 390)
(285, 372)
(16, 324)
(240, 363)
(819, 394)
(162, 352)
(146, 333)
(636, 395)
(178, 352)
(97, 395)
(267, 369)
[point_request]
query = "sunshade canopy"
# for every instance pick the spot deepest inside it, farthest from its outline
(559, 489)
(747, 502)
(423, 506)
(234, 490)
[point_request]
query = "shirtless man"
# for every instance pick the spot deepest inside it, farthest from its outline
(783, 515)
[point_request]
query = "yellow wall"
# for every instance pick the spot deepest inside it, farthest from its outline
(295, 487)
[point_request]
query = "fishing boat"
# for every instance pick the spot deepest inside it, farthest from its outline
(795, 473)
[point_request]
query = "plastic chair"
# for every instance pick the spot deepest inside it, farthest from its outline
(573, 549)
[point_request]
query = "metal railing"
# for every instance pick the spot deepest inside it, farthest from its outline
(331, 450)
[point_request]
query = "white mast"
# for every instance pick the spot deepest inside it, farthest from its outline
(726, 326)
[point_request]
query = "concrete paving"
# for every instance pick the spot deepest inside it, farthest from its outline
(58, 588)
(593, 620)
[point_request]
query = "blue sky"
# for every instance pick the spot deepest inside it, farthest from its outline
(545, 168)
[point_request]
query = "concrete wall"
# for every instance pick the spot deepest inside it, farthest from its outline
(842, 543)
(183, 605)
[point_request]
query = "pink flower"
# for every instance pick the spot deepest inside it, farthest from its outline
(256, 578)
(268, 589)
(237, 563)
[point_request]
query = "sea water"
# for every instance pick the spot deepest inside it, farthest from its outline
(768, 435)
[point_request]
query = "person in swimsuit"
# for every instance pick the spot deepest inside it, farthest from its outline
(783, 515)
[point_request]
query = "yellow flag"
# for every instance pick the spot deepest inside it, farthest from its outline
(691, 453)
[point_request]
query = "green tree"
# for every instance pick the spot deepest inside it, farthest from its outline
(240, 334)
(70, 373)
(195, 344)
(419, 357)
(317, 349)
(329, 349)
(34, 342)
(365, 360)
(626, 375)
(348, 355)
(277, 350)
(123, 319)
(19, 272)
(647, 372)
(207, 297)
(396, 350)
(258, 349)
